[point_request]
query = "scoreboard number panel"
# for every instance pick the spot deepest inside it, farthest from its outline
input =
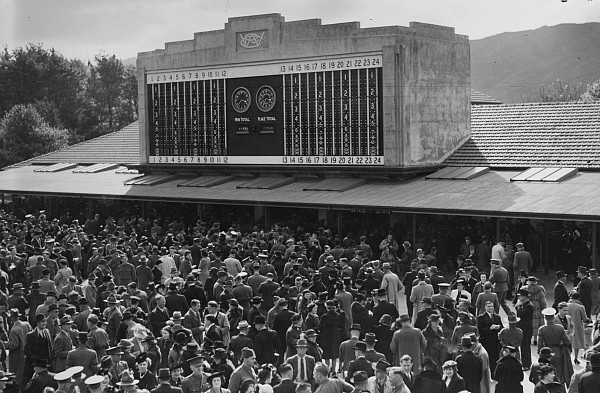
(316, 112)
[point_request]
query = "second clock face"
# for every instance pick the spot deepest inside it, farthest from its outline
(240, 99)
(265, 98)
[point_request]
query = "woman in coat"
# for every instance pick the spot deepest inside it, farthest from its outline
(454, 382)
(329, 337)
(537, 297)
(576, 311)
(436, 342)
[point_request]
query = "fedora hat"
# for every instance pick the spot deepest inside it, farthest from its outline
(164, 374)
(404, 318)
(302, 343)
(124, 343)
(127, 380)
(360, 346)
(310, 333)
(370, 338)
(176, 316)
(359, 377)
(512, 318)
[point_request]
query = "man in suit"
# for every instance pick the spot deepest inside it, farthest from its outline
(193, 321)
(525, 311)
(408, 376)
(41, 379)
(470, 366)
(287, 385)
(360, 363)
(83, 356)
(347, 348)
(163, 383)
(302, 364)
(489, 324)
(585, 289)
(38, 347)
(158, 316)
(16, 342)
(266, 342)
(63, 344)
(590, 380)
(240, 341)
(175, 300)
(372, 355)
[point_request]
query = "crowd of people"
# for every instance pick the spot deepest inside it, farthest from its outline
(146, 305)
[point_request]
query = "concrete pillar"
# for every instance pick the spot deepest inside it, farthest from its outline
(414, 231)
(199, 210)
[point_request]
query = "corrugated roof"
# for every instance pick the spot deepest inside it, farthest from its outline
(492, 194)
(478, 97)
(528, 135)
(119, 147)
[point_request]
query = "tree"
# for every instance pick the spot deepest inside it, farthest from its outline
(592, 93)
(112, 93)
(24, 134)
(557, 91)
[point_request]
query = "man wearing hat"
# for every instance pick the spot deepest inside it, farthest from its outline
(525, 312)
(360, 363)
(371, 354)
(94, 383)
(442, 298)
(240, 341)
(113, 318)
(382, 306)
(555, 337)
(63, 380)
(293, 334)
(381, 383)
(163, 383)
(83, 356)
(346, 350)
(302, 364)
(16, 300)
(392, 284)
(266, 342)
(408, 340)
(595, 291)
(34, 300)
(423, 315)
(175, 300)
(16, 343)
(244, 371)
(98, 339)
(508, 372)
(63, 344)
(128, 383)
(512, 335)
(584, 287)
(242, 292)
(313, 347)
(41, 378)
(469, 366)
(38, 347)
(499, 278)
(117, 366)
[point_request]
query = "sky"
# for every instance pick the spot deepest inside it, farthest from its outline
(83, 28)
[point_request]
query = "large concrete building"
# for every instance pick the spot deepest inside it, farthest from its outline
(264, 91)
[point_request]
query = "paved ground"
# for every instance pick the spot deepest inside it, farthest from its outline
(548, 282)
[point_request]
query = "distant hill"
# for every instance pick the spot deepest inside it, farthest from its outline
(512, 66)
(130, 61)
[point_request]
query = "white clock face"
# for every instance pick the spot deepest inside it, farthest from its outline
(265, 98)
(240, 99)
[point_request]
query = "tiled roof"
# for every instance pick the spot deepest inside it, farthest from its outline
(528, 135)
(119, 147)
(478, 97)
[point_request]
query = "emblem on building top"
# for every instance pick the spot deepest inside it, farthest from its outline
(252, 40)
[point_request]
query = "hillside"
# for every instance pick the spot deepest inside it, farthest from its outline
(512, 66)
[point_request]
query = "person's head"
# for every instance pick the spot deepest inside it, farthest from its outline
(489, 307)
(160, 301)
(482, 277)
(176, 372)
(546, 373)
(247, 386)
(302, 347)
(142, 362)
(320, 373)
(449, 368)
(40, 321)
(406, 363)
(195, 305)
(303, 388)
(286, 371)
(403, 321)
(215, 380)
(197, 365)
(395, 374)
(563, 308)
(265, 375)
(360, 348)
(249, 357)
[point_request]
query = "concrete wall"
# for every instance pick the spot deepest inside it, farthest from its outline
(426, 74)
